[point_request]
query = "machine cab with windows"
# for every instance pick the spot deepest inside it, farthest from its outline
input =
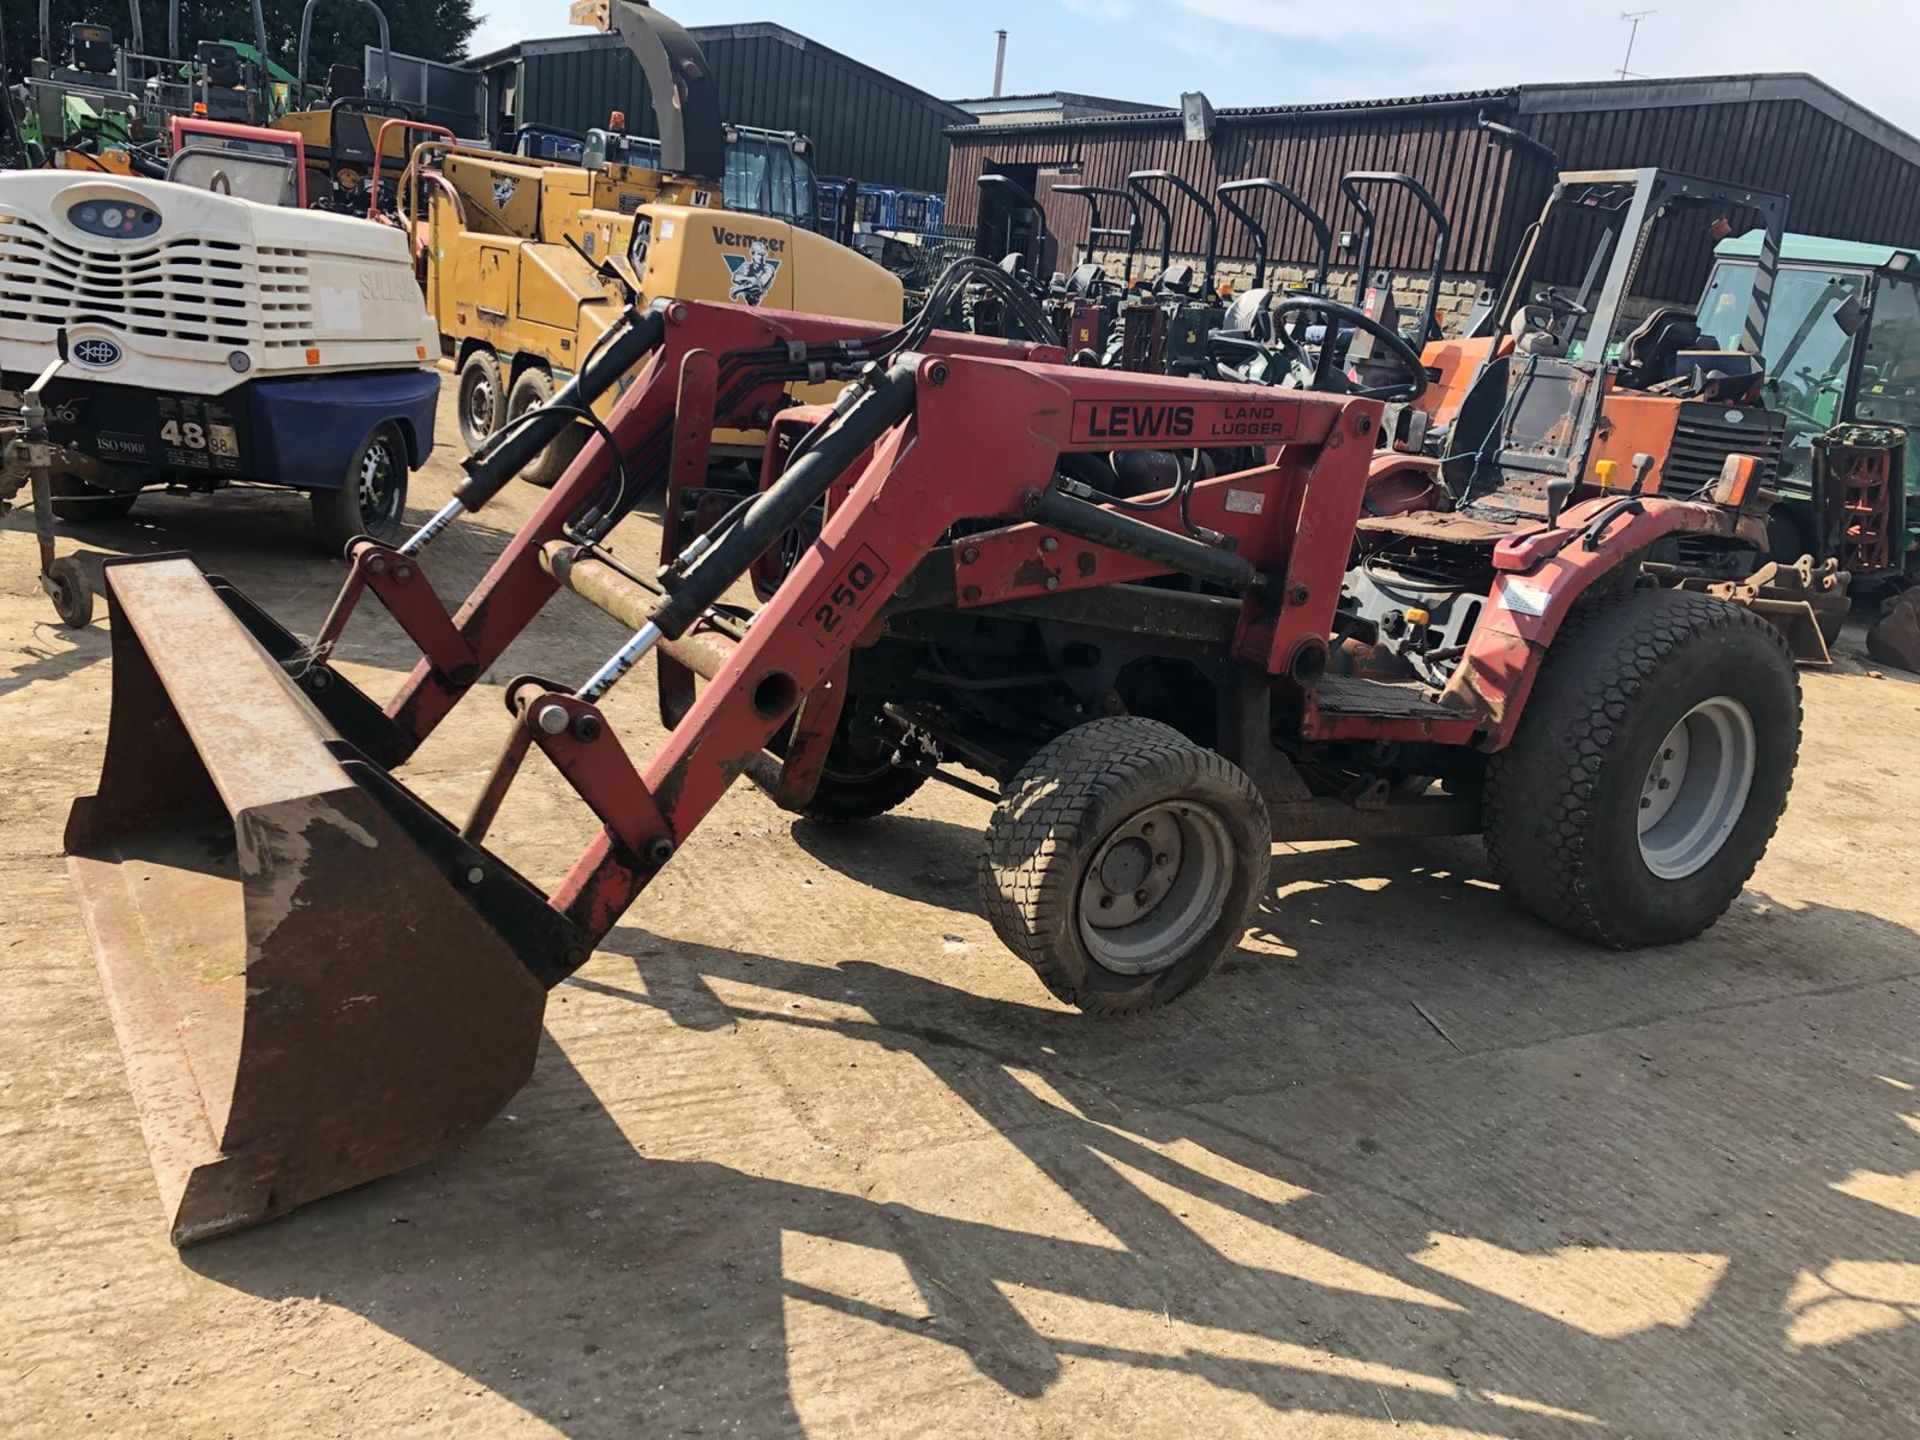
(1842, 352)
(769, 172)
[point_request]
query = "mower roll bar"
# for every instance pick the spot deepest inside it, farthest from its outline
(1350, 186)
(1091, 194)
(1322, 233)
(137, 33)
(259, 31)
(1023, 198)
(306, 33)
(1137, 182)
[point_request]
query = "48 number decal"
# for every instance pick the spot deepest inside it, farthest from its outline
(187, 434)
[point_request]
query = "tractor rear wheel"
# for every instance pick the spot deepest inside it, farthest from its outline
(1649, 769)
(532, 389)
(481, 399)
(1122, 862)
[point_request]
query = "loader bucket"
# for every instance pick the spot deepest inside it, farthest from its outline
(299, 959)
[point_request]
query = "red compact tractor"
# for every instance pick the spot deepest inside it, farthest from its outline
(1128, 606)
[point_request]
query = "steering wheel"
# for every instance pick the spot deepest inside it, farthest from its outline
(1311, 372)
(1558, 305)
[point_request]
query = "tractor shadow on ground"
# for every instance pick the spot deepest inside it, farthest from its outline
(1603, 1201)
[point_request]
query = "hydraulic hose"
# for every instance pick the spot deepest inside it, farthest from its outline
(510, 452)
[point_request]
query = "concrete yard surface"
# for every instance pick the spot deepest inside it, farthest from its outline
(806, 1151)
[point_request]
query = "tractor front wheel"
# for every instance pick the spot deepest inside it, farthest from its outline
(1122, 862)
(1649, 769)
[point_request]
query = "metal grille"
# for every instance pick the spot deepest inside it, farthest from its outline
(1704, 437)
(286, 299)
(189, 290)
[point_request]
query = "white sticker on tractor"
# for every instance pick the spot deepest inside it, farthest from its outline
(1525, 599)
(1245, 502)
(503, 188)
(339, 307)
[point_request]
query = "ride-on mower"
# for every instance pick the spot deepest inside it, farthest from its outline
(317, 979)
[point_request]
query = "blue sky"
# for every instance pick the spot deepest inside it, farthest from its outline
(1249, 52)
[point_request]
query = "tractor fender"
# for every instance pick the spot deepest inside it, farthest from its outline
(1540, 577)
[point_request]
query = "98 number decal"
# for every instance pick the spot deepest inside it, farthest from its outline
(848, 594)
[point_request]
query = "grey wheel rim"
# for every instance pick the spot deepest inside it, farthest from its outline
(480, 401)
(1155, 887)
(377, 482)
(1696, 788)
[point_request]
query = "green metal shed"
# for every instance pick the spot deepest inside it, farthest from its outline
(863, 124)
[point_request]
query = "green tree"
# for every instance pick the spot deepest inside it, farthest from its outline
(435, 29)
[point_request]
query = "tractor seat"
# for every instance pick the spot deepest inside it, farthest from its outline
(1648, 355)
(345, 82)
(1251, 315)
(1174, 280)
(1085, 281)
(221, 64)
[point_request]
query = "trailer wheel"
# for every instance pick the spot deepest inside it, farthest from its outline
(80, 503)
(71, 592)
(371, 498)
(1122, 862)
(481, 399)
(531, 390)
(1649, 770)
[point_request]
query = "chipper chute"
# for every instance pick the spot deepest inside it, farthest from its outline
(305, 996)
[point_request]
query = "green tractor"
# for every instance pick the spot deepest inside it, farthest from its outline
(1842, 349)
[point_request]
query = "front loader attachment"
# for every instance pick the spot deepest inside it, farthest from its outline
(307, 970)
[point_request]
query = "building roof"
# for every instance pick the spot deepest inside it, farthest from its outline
(1066, 99)
(1539, 100)
(1819, 250)
(706, 35)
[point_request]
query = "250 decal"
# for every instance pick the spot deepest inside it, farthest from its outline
(850, 592)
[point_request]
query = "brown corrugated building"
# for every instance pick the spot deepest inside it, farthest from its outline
(1850, 175)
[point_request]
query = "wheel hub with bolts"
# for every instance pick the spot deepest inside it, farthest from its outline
(375, 480)
(480, 405)
(1154, 886)
(1696, 788)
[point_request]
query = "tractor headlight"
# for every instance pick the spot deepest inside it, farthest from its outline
(239, 362)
